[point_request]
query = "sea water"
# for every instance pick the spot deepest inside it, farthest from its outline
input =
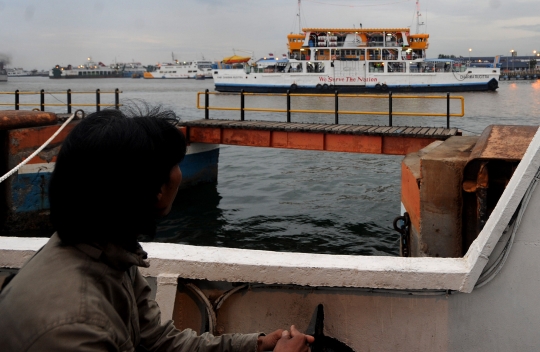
(293, 200)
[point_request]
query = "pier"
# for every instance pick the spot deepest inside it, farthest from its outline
(336, 136)
(398, 140)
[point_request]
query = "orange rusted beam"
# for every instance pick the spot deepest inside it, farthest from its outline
(369, 144)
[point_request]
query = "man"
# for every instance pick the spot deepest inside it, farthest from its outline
(114, 175)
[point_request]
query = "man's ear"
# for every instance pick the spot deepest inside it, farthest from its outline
(160, 193)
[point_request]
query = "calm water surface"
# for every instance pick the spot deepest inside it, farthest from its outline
(293, 200)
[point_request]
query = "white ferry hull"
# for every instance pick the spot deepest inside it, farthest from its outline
(473, 79)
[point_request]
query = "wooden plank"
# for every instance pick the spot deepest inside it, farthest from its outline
(423, 131)
(438, 131)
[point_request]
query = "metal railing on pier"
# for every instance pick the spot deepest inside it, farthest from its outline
(336, 95)
(69, 104)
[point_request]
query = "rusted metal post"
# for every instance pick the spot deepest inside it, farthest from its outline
(97, 100)
(69, 101)
(206, 111)
(390, 109)
(448, 110)
(242, 105)
(482, 186)
(336, 120)
(17, 99)
(117, 99)
(42, 100)
(288, 105)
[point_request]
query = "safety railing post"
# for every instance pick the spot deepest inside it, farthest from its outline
(448, 110)
(242, 105)
(17, 99)
(288, 105)
(117, 99)
(97, 100)
(69, 101)
(206, 111)
(42, 100)
(336, 118)
(390, 109)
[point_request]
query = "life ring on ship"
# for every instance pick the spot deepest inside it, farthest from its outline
(384, 87)
(318, 86)
(294, 86)
(325, 86)
(378, 86)
(493, 84)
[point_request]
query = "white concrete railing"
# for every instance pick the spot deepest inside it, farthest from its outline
(240, 265)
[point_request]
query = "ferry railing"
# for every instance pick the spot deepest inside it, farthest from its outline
(391, 113)
(69, 104)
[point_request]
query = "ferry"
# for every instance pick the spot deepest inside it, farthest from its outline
(17, 72)
(357, 60)
(182, 70)
(91, 69)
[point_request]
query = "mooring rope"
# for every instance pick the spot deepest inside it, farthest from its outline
(16, 168)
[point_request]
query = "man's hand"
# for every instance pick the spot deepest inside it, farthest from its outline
(268, 342)
(294, 341)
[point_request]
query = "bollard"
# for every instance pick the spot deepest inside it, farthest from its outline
(17, 99)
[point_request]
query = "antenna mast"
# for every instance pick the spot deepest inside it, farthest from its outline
(299, 18)
(418, 14)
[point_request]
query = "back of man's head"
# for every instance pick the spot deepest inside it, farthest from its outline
(108, 173)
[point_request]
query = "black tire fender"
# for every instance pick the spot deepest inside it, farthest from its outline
(378, 86)
(318, 86)
(294, 86)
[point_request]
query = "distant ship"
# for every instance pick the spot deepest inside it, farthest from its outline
(17, 72)
(187, 70)
(91, 69)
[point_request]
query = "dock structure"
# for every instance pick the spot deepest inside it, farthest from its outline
(391, 140)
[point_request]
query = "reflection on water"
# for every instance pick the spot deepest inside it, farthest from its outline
(292, 200)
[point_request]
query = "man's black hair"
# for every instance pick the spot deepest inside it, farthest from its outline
(108, 174)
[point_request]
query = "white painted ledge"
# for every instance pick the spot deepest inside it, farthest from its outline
(240, 265)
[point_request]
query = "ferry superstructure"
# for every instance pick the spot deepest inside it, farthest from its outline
(357, 60)
(184, 69)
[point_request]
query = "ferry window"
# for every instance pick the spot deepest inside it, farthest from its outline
(396, 67)
(318, 67)
(376, 67)
(374, 54)
(390, 54)
(362, 54)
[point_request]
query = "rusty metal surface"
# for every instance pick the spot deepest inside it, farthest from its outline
(13, 119)
(503, 142)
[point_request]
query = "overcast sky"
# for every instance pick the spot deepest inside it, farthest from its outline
(38, 34)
